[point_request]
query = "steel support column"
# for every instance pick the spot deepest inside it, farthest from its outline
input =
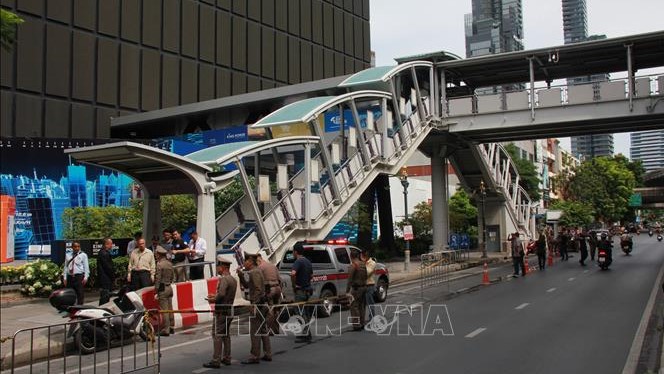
(151, 215)
(439, 200)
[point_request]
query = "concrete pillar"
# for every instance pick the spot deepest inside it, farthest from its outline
(151, 216)
(205, 224)
(439, 201)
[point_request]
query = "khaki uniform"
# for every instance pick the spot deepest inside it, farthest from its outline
(272, 293)
(254, 282)
(223, 316)
(164, 276)
(357, 286)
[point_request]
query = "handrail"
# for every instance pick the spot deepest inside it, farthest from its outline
(242, 239)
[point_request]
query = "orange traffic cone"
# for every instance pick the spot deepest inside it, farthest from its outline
(485, 275)
(525, 265)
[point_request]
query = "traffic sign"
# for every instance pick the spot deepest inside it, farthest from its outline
(635, 200)
(408, 233)
(465, 241)
(454, 241)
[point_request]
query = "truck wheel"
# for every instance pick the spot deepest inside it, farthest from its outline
(381, 290)
(327, 306)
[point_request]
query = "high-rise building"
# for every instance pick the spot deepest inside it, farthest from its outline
(76, 64)
(494, 26)
(575, 29)
(648, 147)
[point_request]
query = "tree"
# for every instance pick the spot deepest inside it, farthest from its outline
(605, 184)
(463, 214)
(225, 198)
(8, 23)
(178, 211)
(100, 222)
(575, 214)
(529, 180)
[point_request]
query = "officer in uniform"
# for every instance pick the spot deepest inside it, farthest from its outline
(164, 276)
(357, 287)
(272, 292)
(223, 315)
(252, 280)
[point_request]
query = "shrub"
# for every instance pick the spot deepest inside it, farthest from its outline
(40, 278)
(11, 274)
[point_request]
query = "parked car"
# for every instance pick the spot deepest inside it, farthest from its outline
(330, 261)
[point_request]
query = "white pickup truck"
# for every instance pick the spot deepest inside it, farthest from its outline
(330, 262)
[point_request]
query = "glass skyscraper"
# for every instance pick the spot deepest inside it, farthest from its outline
(494, 26)
(575, 29)
(648, 147)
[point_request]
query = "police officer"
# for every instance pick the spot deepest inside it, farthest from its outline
(164, 276)
(357, 287)
(272, 292)
(301, 275)
(252, 280)
(223, 315)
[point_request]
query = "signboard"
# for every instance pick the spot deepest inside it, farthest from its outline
(465, 241)
(91, 247)
(635, 200)
(408, 232)
(454, 241)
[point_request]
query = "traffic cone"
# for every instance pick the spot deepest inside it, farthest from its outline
(550, 260)
(485, 275)
(525, 265)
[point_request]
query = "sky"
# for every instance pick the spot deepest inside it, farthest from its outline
(402, 28)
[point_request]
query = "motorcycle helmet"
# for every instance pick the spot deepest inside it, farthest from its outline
(62, 299)
(604, 235)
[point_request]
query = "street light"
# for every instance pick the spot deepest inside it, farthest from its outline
(482, 198)
(405, 184)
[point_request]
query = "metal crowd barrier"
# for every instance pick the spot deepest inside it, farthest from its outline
(210, 265)
(107, 352)
(435, 267)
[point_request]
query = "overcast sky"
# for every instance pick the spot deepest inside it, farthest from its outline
(407, 27)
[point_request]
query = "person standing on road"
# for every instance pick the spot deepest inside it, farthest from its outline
(583, 246)
(541, 248)
(76, 271)
(370, 263)
(141, 269)
(196, 254)
(301, 275)
(252, 280)
(517, 253)
(105, 272)
(272, 292)
(357, 287)
(163, 278)
(223, 315)
(563, 242)
(592, 241)
(179, 256)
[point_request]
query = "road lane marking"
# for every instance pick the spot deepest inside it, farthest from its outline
(476, 332)
(571, 279)
(199, 371)
(462, 290)
(551, 289)
(522, 306)
(585, 271)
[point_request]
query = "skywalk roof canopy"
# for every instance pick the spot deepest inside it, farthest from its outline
(306, 110)
(564, 61)
(377, 78)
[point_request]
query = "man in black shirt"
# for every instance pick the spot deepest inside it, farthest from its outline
(105, 272)
(301, 274)
(179, 251)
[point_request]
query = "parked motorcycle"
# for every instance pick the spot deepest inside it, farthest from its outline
(100, 327)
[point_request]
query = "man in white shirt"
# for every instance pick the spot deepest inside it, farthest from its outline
(76, 271)
(134, 243)
(196, 253)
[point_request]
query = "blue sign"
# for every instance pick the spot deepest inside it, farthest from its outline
(333, 119)
(454, 241)
(465, 241)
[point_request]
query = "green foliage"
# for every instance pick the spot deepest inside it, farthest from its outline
(529, 179)
(100, 222)
(575, 214)
(420, 219)
(119, 266)
(636, 167)
(226, 197)
(8, 23)
(605, 184)
(40, 278)
(358, 215)
(463, 214)
(178, 211)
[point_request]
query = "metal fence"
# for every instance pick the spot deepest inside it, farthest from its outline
(96, 345)
(435, 267)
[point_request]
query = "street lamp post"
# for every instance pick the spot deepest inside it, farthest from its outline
(482, 198)
(404, 183)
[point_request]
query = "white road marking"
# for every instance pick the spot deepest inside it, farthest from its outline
(462, 289)
(551, 289)
(202, 370)
(476, 332)
(406, 290)
(571, 279)
(522, 306)
(585, 271)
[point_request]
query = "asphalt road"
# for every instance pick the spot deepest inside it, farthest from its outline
(564, 319)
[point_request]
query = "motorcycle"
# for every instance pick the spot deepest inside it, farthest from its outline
(603, 259)
(112, 324)
(650, 233)
(659, 238)
(626, 245)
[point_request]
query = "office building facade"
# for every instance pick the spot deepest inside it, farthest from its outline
(575, 29)
(494, 26)
(648, 147)
(76, 63)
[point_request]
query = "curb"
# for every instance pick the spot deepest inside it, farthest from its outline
(466, 265)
